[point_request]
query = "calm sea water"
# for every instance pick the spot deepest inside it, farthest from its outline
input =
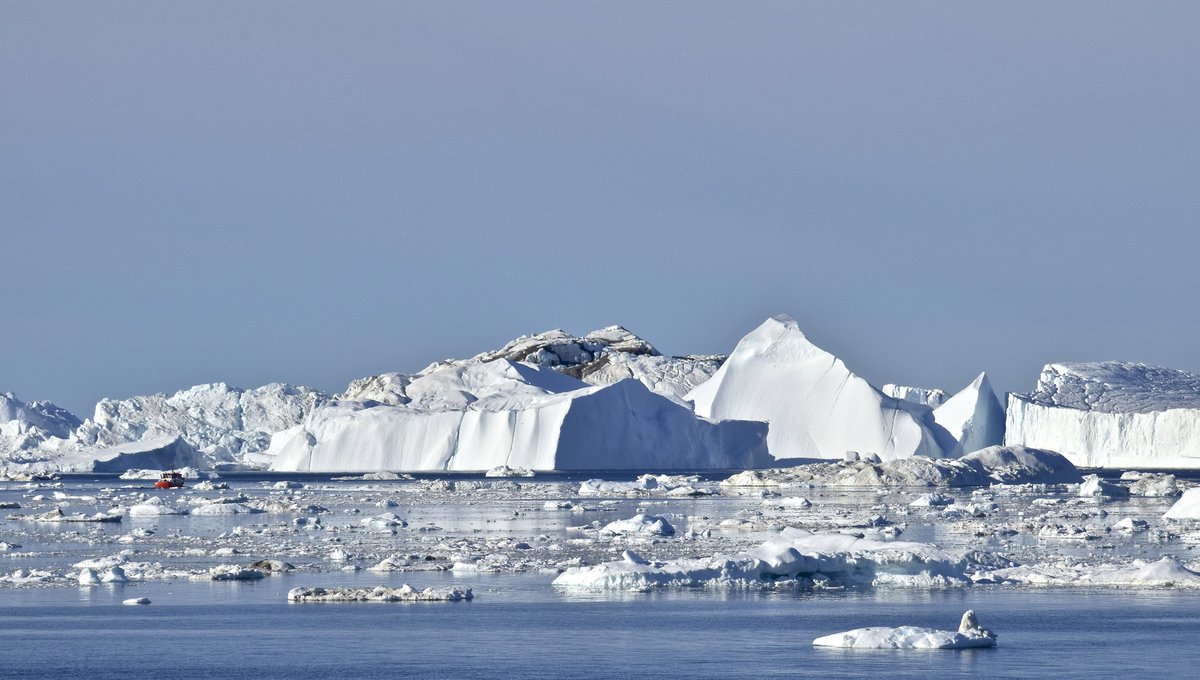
(521, 627)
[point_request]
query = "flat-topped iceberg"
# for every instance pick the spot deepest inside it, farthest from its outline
(478, 416)
(815, 406)
(1111, 414)
(405, 593)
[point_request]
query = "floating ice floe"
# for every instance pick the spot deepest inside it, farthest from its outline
(1094, 486)
(231, 572)
(1152, 484)
(969, 635)
(1111, 414)
(213, 509)
(506, 471)
(1167, 572)
(152, 508)
(794, 558)
(57, 515)
(1008, 465)
(643, 485)
(640, 525)
(404, 593)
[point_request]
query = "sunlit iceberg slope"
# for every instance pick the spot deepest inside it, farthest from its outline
(815, 406)
(476, 416)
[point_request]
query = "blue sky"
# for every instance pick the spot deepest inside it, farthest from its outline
(252, 192)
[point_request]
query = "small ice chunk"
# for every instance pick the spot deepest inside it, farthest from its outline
(1094, 486)
(640, 525)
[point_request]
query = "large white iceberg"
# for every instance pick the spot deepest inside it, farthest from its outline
(815, 406)
(1111, 414)
(476, 416)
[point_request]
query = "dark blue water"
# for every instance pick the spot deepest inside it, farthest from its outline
(521, 627)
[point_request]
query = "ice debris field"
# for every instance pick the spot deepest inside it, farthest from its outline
(597, 464)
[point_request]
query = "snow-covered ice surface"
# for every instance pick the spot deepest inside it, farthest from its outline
(601, 357)
(815, 406)
(927, 396)
(1111, 414)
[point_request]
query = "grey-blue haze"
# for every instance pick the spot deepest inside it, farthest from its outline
(313, 192)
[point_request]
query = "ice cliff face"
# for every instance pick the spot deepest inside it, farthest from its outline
(477, 416)
(815, 406)
(601, 357)
(1111, 414)
(24, 426)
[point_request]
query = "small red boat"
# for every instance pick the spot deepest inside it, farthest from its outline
(169, 480)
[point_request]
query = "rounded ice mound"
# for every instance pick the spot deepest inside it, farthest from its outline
(1023, 465)
(969, 635)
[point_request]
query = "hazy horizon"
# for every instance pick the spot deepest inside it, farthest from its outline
(261, 192)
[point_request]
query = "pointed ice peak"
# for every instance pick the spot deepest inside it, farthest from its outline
(779, 338)
(973, 416)
(816, 407)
